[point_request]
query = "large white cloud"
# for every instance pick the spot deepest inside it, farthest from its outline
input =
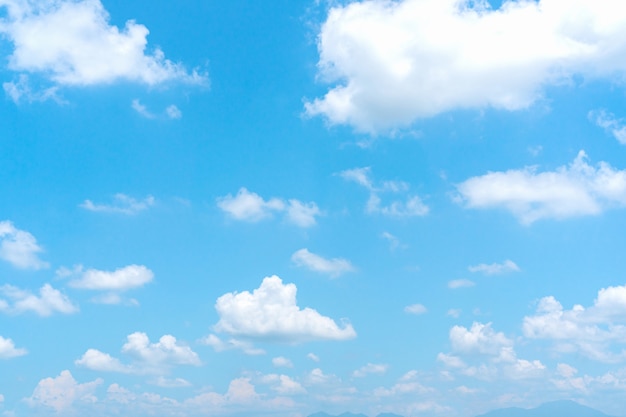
(396, 61)
(62, 392)
(48, 302)
(122, 279)
(8, 349)
(73, 43)
(333, 267)
(19, 247)
(576, 190)
(271, 312)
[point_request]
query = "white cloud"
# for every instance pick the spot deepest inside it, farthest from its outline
(610, 124)
(359, 175)
(19, 247)
(416, 309)
(406, 385)
(481, 338)
(122, 204)
(48, 302)
(271, 312)
(454, 313)
(148, 358)
(122, 279)
(313, 357)
(395, 62)
(283, 384)
(575, 190)
(8, 349)
(170, 383)
(173, 112)
(21, 90)
(333, 267)
(250, 207)
(72, 43)
(394, 242)
(1, 398)
(412, 207)
(232, 344)
(370, 368)
(141, 109)
(495, 268)
(62, 392)
(282, 362)
(460, 283)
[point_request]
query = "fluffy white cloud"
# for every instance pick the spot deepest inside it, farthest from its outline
(481, 338)
(72, 43)
(596, 331)
(395, 62)
(313, 357)
(334, 267)
(49, 301)
(495, 268)
(416, 309)
(147, 357)
(8, 349)
(19, 247)
(460, 283)
(122, 279)
(283, 384)
(122, 203)
(610, 124)
(62, 392)
(251, 207)
(370, 368)
(232, 344)
(271, 312)
(575, 190)
(412, 207)
(282, 362)
(406, 385)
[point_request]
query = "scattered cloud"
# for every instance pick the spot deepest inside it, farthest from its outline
(173, 112)
(73, 43)
(19, 247)
(495, 268)
(313, 357)
(392, 63)
(163, 382)
(454, 313)
(416, 309)
(20, 91)
(122, 279)
(250, 207)
(282, 362)
(8, 349)
(480, 338)
(460, 283)
(394, 242)
(575, 190)
(270, 312)
(48, 302)
(370, 368)
(609, 123)
(122, 204)
(333, 267)
(406, 385)
(232, 344)
(141, 109)
(62, 392)
(283, 384)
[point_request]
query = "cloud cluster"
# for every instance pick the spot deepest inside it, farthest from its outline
(19, 247)
(250, 207)
(397, 61)
(333, 267)
(579, 189)
(48, 302)
(122, 204)
(270, 312)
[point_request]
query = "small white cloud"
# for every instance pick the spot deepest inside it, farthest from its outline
(48, 302)
(271, 312)
(232, 344)
(19, 247)
(575, 190)
(454, 313)
(173, 112)
(141, 109)
(495, 268)
(62, 392)
(333, 267)
(412, 207)
(122, 204)
(313, 357)
(282, 362)
(460, 283)
(480, 338)
(359, 175)
(20, 91)
(394, 242)
(610, 124)
(283, 384)
(302, 214)
(102, 362)
(8, 349)
(122, 279)
(416, 309)
(370, 368)
(170, 383)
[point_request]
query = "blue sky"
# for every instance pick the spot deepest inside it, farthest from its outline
(238, 208)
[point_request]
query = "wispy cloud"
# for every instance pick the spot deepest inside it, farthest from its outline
(333, 267)
(122, 204)
(610, 124)
(495, 268)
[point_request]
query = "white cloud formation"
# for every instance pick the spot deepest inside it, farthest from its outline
(282, 362)
(416, 309)
(141, 109)
(481, 338)
(251, 207)
(48, 302)
(8, 349)
(148, 358)
(163, 382)
(173, 112)
(395, 62)
(232, 344)
(406, 385)
(495, 268)
(271, 312)
(370, 368)
(62, 392)
(333, 267)
(313, 357)
(72, 43)
(283, 384)
(394, 242)
(19, 247)
(21, 91)
(122, 279)
(122, 204)
(576, 190)
(460, 283)
(609, 123)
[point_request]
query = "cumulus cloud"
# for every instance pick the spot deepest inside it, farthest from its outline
(146, 357)
(271, 312)
(122, 279)
(392, 63)
(333, 267)
(370, 368)
(62, 392)
(282, 362)
(122, 204)
(73, 43)
(579, 189)
(460, 283)
(416, 309)
(251, 207)
(8, 349)
(480, 338)
(232, 344)
(283, 384)
(610, 124)
(19, 247)
(48, 302)
(495, 268)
